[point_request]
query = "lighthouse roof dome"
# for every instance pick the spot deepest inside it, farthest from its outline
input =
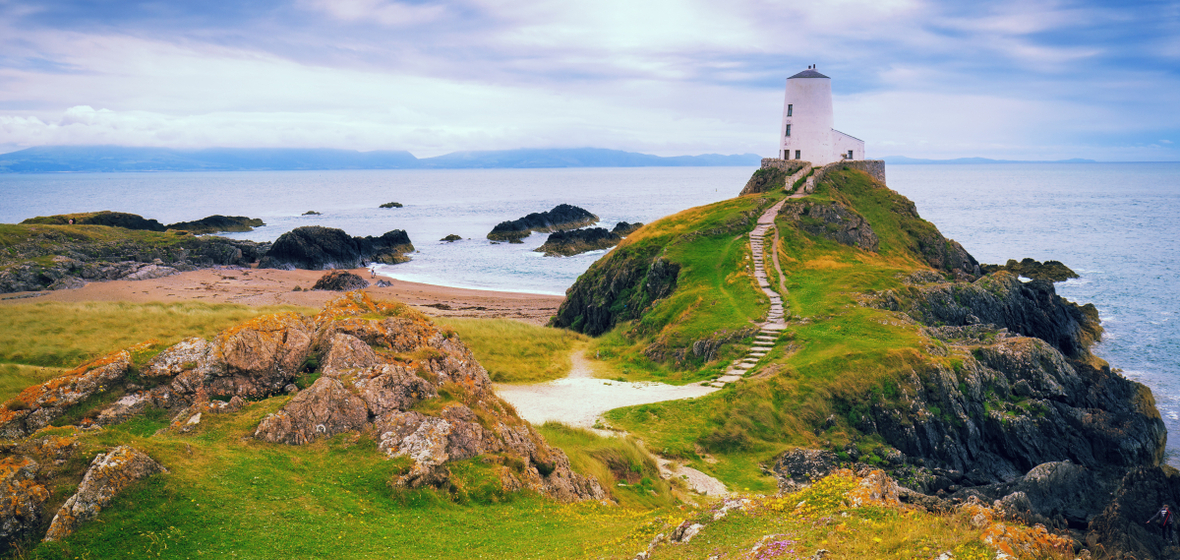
(809, 73)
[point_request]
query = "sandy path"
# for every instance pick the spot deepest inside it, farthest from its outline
(276, 287)
(580, 399)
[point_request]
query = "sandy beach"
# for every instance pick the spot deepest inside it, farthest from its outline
(258, 287)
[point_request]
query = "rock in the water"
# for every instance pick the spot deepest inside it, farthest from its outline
(576, 241)
(451, 238)
(391, 205)
(109, 474)
(318, 248)
(624, 229)
(312, 213)
(1053, 271)
(21, 497)
(325, 409)
(217, 222)
(340, 281)
(562, 216)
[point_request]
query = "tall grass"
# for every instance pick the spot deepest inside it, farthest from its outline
(517, 352)
(63, 335)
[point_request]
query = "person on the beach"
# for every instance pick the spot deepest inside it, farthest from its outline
(1166, 523)
(372, 271)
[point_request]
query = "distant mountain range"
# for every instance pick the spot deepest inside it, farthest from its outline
(51, 159)
(906, 160)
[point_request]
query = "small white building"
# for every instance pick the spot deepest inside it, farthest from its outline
(807, 132)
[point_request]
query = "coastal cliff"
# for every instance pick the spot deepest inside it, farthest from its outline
(898, 351)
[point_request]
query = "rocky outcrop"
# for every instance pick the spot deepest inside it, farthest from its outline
(57, 257)
(340, 281)
(109, 474)
(831, 220)
(387, 375)
(617, 288)
(1013, 405)
(1120, 531)
(577, 241)
(1003, 301)
(259, 357)
(37, 406)
(623, 229)
(766, 179)
(562, 216)
(1052, 271)
(217, 222)
(103, 218)
(21, 497)
(255, 359)
(325, 409)
(318, 248)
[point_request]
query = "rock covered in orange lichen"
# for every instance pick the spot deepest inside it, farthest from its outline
(1012, 539)
(109, 474)
(37, 406)
(379, 360)
(20, 496)
(262, 355)
(875, 488)
(325, 409)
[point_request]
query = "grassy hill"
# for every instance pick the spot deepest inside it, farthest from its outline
(675, 302)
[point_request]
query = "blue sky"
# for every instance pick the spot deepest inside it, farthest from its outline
(1024, 79)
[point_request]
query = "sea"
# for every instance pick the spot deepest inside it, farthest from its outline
(1114, 224)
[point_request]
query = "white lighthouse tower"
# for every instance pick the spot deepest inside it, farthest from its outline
(807, 132)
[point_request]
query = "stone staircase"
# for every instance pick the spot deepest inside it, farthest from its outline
(775, 320)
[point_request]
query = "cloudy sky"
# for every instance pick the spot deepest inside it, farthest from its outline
(1023, 79)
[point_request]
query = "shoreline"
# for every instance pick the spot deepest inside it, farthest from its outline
(259, 287)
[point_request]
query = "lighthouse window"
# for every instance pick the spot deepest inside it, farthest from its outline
(789, 108)
(797, 154)
(788, 130)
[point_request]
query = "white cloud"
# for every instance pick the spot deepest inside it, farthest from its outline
(378, 11)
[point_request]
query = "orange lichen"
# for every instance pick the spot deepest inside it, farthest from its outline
(1013, 540)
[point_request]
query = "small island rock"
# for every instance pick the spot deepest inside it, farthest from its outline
(451, 238)
(319, 248)
(391, 205)
(576, 241)
(217, 222)
(562, 216)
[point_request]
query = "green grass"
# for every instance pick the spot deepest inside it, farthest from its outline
(64, 335)
(624, 467)
(836, 362)
(517, 352)
(14, 378)
(715, 295)
(226, 496)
